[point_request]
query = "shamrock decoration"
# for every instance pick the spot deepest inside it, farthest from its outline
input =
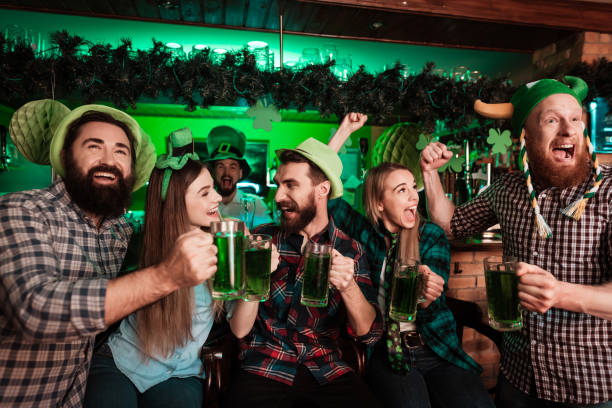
(455, 163)
(424, 140)
(500, 140)
(264, 114)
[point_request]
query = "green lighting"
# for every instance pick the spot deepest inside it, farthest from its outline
(199, 46)
(173, 45)
(257, 44)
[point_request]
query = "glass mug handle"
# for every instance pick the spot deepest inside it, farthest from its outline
(421, 289)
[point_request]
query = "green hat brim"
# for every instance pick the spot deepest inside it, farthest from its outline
(144, 150)
(334, 179)
(246, 169)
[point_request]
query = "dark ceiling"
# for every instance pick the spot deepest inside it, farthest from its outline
(314, 19)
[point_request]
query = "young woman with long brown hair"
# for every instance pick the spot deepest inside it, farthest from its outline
(152, 359)
(420, 363)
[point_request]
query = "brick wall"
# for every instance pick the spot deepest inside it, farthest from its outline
(586, 47)
(467, 283)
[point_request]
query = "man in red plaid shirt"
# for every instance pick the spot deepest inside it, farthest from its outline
(559, 228)
(289, 352)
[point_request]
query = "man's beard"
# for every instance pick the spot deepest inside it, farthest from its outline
(546, 172)
(105, 201)
(226, 192)
(304, 215)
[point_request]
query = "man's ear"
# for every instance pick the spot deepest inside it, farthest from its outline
(324, 188)
(240, 175)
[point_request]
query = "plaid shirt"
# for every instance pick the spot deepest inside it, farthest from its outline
(569, 354)
(435, 323)
(286, 333)
(54, 266)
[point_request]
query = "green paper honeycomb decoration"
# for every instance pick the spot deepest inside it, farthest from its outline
(397, 144)
(32, 127)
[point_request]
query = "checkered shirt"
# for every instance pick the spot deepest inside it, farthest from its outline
(286, 333)
(435, 323)
(54, 266)
(569, 354)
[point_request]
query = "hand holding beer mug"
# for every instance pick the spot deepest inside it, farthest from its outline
(228, 236)
(315, 284)
(258, 257)
(406, 288)
(502, 293)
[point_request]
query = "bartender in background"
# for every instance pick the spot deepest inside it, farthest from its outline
(226, 147)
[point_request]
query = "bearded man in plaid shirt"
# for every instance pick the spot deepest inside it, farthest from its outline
(61, 249)
(556, 220)
(289, 352)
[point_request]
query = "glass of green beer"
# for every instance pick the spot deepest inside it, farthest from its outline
(229, 237)
(315, 285)
(502, 293)
(257, 258)
(406, 288)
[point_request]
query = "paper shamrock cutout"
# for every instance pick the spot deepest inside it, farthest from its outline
(263, 115)
(424, 140)
(455, 163)
(500, 140)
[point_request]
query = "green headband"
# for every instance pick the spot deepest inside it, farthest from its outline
(167, 162)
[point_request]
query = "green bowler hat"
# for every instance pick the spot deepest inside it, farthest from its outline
(143, 147)
(325, 158)
(225, 142)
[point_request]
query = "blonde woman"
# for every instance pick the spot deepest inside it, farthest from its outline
(418, 364)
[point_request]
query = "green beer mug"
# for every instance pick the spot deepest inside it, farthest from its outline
(502, 293)
(228, 236)
(315, 284)
(406, 289)
(257, 259)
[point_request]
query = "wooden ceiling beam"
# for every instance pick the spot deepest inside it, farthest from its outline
(569, 14)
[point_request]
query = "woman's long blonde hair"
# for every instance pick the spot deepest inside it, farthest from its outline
(165, 324)
(373, 191)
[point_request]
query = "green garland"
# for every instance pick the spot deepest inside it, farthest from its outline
(75, 69)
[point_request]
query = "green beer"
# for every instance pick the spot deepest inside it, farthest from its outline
(228, 237)
(503, 300)
(405, 294)
(502, 293)
(316, 275)
(257, 273)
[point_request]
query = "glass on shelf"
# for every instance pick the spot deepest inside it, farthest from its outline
(310, 56)
(475, 75)
(330, 52)
(460, 73)
(218, 54)
(441, 72)
(343, 68)
(261, 51)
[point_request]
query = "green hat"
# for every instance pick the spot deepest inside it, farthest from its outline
(143, 147)
(325, 158)
(529, 95)
(225, 142)
(522, 103)
(168, 162)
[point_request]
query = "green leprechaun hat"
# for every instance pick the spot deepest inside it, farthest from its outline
(225, 142)
(521, 104)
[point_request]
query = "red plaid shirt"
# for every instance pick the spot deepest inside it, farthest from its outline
(569, 354)
(287, 334)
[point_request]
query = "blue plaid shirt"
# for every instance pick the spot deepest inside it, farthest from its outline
(286, 333)
(435, 323)
(54, 267)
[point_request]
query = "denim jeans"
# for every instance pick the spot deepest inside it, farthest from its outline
(109, 387)
(509, 397)
(432, 382)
